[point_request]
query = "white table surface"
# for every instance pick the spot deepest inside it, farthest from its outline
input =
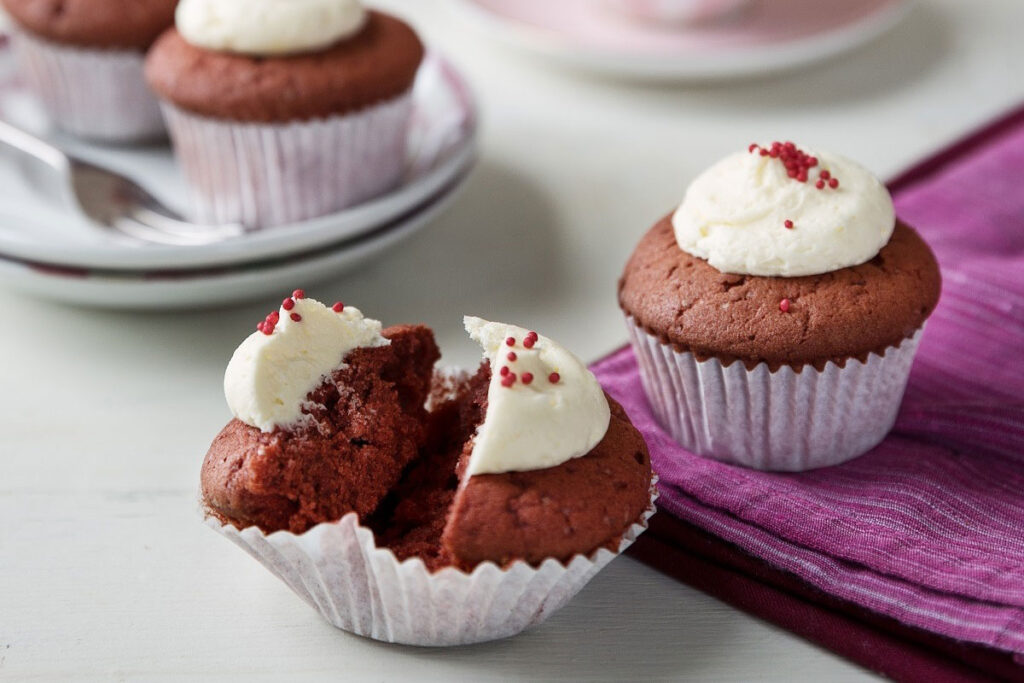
(106, 571)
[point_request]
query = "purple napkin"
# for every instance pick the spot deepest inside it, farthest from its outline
(927, 528)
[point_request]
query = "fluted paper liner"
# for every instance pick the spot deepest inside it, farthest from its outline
(267, 174)
(96, 94)
(338, 569)
(784, 420)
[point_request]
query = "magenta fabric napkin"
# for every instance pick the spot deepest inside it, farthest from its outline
(927, 529)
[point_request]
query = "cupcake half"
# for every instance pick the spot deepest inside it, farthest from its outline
(418, 506)
(775, 315)
(84, 61)
(281, 111)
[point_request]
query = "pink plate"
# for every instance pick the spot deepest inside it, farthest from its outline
(766, 36)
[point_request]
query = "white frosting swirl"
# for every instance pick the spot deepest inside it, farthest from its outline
(540, 424)
(268, 27)
(734, 216)
(269, 375)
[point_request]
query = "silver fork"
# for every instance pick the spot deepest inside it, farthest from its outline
(113, 201)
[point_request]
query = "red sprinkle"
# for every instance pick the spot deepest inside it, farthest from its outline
(820, 184)
(834, 183)
(268, 328)
(527, 377)
(261, 325)
(296, 317)
(508, 380)
(529, 342)
(512, 355)
(511, 341)
(298, 294)
(788, 224)
(288, 304)
(504, 371)
(273, 317)
(554, 377)
(338, 307)
(797, 162)
(784, 305)
(825, 175)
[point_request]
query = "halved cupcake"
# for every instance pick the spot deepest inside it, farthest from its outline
(416, 506)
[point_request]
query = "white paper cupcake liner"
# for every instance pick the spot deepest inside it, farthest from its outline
(338, 569)
(783, 420)
(96, 94)
(262, 175)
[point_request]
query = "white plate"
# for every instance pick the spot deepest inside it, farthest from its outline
(214, 287)
(35, 226)
(766, 36)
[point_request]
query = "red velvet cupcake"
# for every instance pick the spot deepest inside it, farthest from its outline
(378, 488)
(282, 111)
(776, 313)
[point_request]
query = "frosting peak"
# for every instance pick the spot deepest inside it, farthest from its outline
(781, 211)
(296, 347)
(544, 409)
(268, 27)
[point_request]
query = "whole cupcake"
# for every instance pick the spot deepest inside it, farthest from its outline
(284, 110)
(775, 315)
(413, 505)
(84, 60)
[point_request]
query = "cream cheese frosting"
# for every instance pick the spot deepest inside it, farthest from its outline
(750, 214)
(273, 370)
(268, 28)
(544, 409)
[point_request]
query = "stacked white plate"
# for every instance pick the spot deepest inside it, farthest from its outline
(50, 250)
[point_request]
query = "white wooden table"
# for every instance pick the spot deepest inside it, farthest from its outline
(107, 573)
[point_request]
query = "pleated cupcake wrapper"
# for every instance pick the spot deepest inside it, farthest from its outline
(96, 94)
(783, 420)
(263, 175)
(338, 569)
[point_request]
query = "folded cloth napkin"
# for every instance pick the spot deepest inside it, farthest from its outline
(919, 544)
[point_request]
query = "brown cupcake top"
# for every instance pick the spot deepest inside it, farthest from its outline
(128, 24)
(377, 64)
(847, 313)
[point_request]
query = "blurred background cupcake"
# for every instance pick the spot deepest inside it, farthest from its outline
(284, 110)
(84, 60)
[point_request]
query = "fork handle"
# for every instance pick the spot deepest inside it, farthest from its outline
(29, 144)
